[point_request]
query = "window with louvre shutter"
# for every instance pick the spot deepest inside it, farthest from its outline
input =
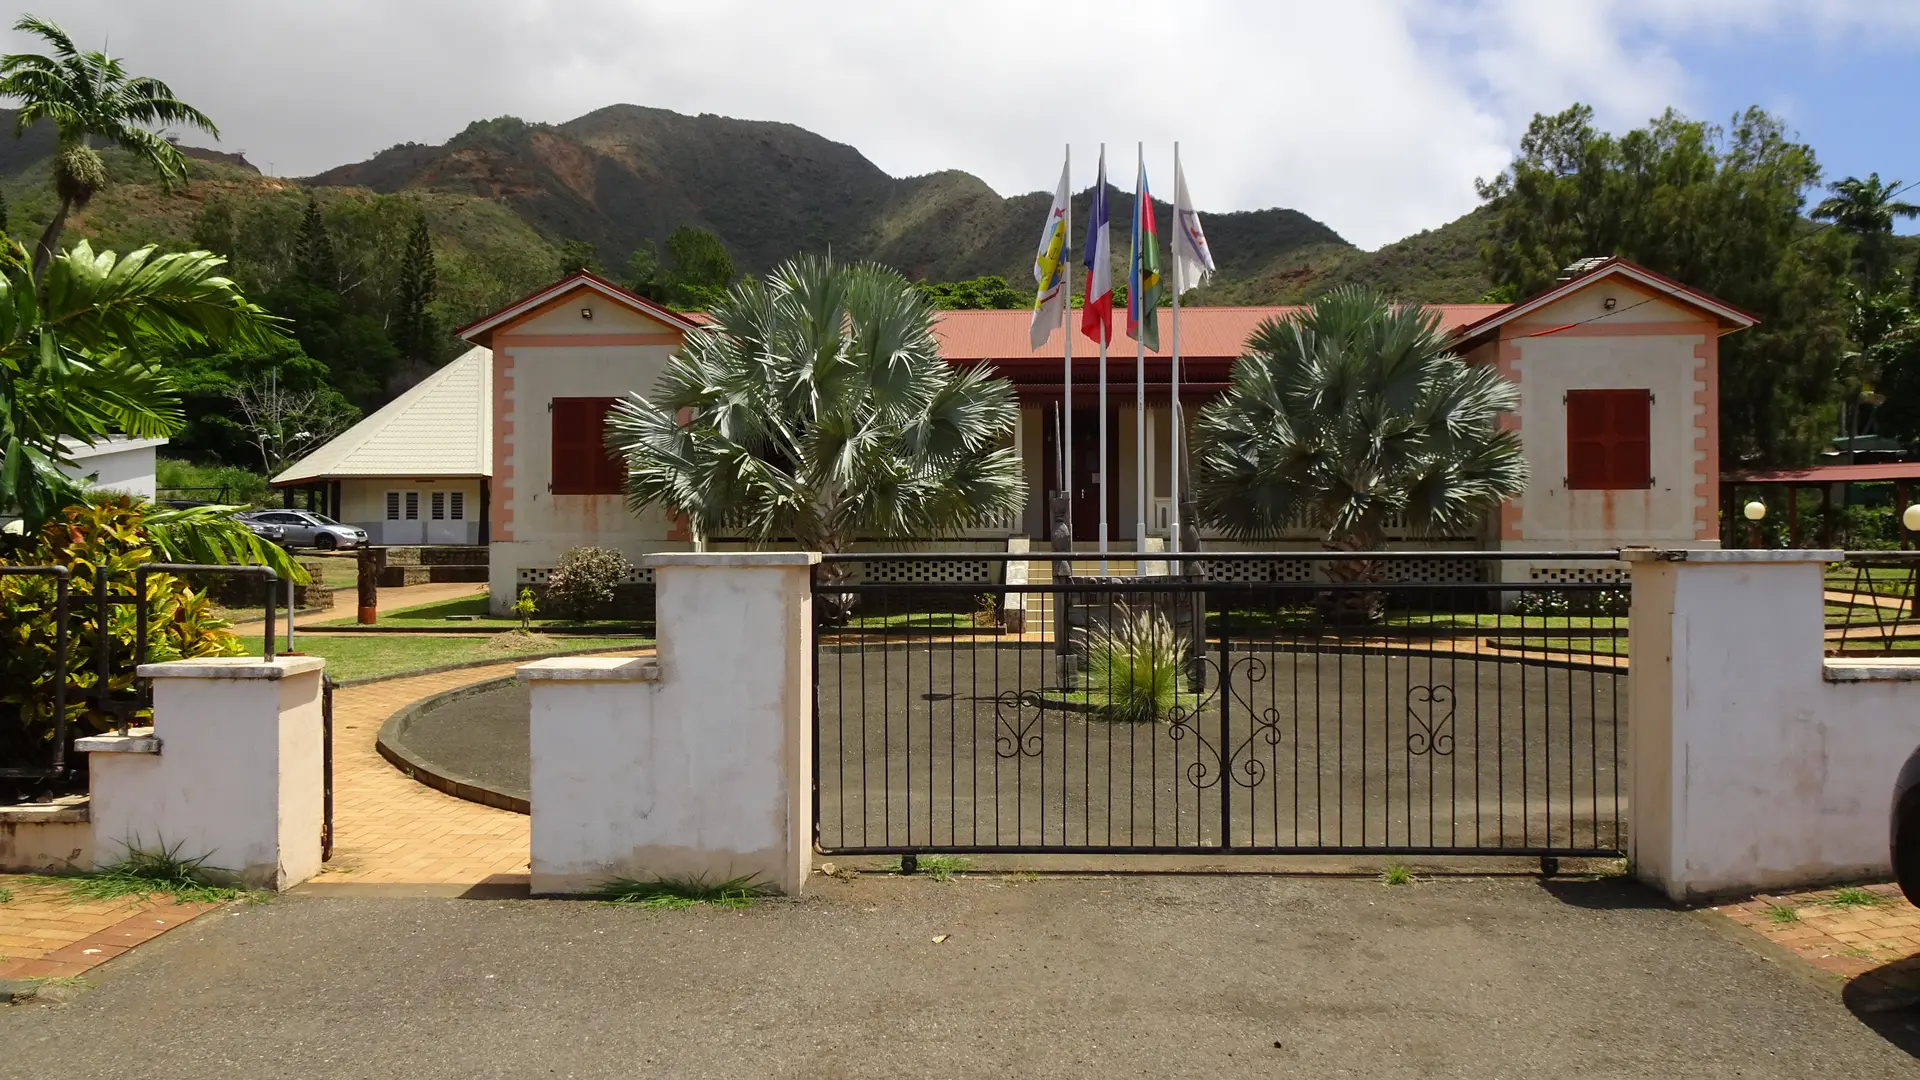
(1609, 439)
(581, 463)
(438, 506)
(393, 506)
(456, 505)
(413, 506)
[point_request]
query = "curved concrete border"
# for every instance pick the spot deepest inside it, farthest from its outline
(391, 745)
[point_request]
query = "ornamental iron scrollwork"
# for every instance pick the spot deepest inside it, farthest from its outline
(1015, 737)
(1430, 720)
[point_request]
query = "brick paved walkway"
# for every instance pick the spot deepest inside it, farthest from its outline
(390, 830)
(46, 935)
(1876, 943)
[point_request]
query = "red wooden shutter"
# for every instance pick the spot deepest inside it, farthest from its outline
(581, 463)
(1609, 439)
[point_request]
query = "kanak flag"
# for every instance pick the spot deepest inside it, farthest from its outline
(1096, 309)
(1143, 273)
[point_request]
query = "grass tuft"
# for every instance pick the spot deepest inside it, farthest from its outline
(676, 893)
(1397, 874)
(144, 873)
(6, 895)
(1781, 915)
(943, 867)
(1855, 897)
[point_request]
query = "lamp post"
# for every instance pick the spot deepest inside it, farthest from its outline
(1754, 511)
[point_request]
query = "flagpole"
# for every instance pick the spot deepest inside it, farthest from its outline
(1139, 360)
(1173, 439)
(1066, 340)
(1105, 333)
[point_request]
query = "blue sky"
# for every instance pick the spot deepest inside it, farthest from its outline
(1853, 101)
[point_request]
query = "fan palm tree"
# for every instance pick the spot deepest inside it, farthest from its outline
(1866, 209)
(86, 96)
(818, 408)
(1347, 416)
(77, 348)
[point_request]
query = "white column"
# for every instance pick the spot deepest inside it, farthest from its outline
(231, 771)
(1756, 762)
(694, 765)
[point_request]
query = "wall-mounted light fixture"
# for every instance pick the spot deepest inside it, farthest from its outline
(586, 313)
(1610, 303)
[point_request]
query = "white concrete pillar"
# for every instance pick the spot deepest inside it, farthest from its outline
(694, 765)
(1755, 762)
(232, 770)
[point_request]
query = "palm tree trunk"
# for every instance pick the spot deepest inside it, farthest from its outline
(1350, 601)
(50, 239)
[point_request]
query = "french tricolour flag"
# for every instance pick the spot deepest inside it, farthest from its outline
(1096, 309)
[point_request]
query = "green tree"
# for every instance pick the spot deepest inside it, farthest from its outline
(578, 255)
(88, 95)
(208, 382)
(699, 266)
(819, 408)
(78, 351)
(1865, 210)
(1719, 210)
(3, 213)
(976, 294)
(644, 275)
(314, 258)
(1349, 415)
(416, 332)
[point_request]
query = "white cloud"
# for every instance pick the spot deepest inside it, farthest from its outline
(1374, 116)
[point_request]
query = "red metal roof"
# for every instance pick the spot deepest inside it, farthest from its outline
(1204, 331)
(1829, 474)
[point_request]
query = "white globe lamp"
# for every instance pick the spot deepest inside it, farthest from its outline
(1911, 518)
(1756, 510)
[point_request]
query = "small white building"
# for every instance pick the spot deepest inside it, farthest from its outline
(418, 470)
(116, 463)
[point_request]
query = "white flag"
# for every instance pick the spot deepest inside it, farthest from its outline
(1192, 260)
(1049, 268)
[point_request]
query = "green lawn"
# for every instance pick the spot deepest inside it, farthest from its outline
(367, 657)
(472, 611)
(1414, 623)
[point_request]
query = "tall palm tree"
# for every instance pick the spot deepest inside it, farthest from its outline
(1866, 210)
(1348, 416)
(77, 363)
(819, 409)
(86, 96)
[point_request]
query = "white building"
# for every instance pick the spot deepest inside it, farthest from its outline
(116, 463)
(417, 471)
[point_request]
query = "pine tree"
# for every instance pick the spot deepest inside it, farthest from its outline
(415, 330)
(314, 255)
(3, 213)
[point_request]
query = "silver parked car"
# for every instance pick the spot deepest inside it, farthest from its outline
(304, 528)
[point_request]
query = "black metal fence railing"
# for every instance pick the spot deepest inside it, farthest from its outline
(1870, 604)
(1433, 703)
(88, 666)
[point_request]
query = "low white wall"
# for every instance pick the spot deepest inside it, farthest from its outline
(232, 770)
(1757, 763)
(694, 765)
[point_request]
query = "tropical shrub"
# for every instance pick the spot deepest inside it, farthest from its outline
(1134, 667)
(109, 535)
(816, 409)
(1600, 602)
(587, 580)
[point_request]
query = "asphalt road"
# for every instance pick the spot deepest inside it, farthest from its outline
(1072, 977)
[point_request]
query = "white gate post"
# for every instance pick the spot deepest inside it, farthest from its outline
(697, 765)
(231, 771)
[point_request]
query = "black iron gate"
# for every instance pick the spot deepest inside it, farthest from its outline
(1420, 703)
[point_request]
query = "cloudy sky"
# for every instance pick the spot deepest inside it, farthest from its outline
(1374, 116)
